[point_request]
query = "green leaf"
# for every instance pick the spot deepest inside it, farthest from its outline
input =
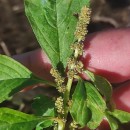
(44, 124)
(54, 24)
(112, 122)
(44, 106)
(96, 104)
(14, 77)
(102, 84)
(122, 116)
(15, 120)
(88, 106)
(80, 113)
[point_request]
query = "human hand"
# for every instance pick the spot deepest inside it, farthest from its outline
(106, 53)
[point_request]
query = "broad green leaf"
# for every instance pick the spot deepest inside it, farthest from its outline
(15, 120)
(96, 104)
(44, 106)
(80, 113)
(54, 24)
(14, 77)
(122, 116)
(112, 122)
(102, 84)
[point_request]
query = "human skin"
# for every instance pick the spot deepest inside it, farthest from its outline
(106, 53)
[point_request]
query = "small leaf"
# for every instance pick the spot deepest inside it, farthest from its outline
(102, 84)
(15, 120)
(44, 106)
(44, 124)
(122, 116)
(96, 104)
(54, 24)
(112, 122)
(80, 112)
(14, 77)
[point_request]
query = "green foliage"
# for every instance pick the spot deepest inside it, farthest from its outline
(80, 112)
(14, 77)
(88, 107)
(54, 23)
(96, 104)
(14, 120)
(112, 122)
(102, 84)
(44, 106)
(117, 117)
(122, 116)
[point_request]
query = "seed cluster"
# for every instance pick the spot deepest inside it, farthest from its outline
(74, 125)
(59, 80)
(74, 67)
(84, 19)
(78, 48)
(61, 89)
(59, 105)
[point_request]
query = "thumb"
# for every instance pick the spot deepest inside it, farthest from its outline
(108, 54)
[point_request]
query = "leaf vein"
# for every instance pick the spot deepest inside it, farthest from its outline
(43, 34)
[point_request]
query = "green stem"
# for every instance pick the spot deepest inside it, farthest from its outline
(61, 127)
(61, 124)
(67, 96)
(76, 53)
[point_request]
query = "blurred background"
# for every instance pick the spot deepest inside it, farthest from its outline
(16, 35)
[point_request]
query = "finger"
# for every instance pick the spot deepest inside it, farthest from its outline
(37, 62)
(108, 54)
(121, 97)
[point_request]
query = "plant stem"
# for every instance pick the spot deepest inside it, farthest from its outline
(61, 124)
(67, 95)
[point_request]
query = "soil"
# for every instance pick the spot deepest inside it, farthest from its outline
(16, 35)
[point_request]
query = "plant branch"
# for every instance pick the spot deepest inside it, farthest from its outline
(67, 95)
